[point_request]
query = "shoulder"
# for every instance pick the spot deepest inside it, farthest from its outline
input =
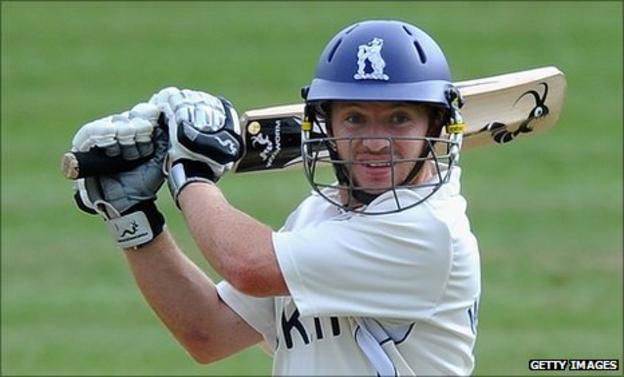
(421, 227)
(311, 211)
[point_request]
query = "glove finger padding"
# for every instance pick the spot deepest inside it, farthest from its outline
(99, 133)
(126, 137)
(145, 117)
(128, 134)
(143, 137)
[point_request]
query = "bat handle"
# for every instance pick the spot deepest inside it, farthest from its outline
(76, 165)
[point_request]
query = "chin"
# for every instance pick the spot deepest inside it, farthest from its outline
(374, 186)
(377, 184)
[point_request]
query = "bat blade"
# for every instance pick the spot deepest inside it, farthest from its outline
(505, 108)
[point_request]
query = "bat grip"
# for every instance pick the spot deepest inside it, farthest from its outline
(76, 165)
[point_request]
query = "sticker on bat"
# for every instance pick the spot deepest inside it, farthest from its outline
(254, 127)
(271, 149)
(499, 131)
(262, 139)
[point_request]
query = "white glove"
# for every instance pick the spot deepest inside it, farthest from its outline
(128, 134)
(125, 200)
(204, 136)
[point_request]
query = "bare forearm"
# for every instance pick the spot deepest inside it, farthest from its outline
(169, 281)
(237, 246)
(186, 300)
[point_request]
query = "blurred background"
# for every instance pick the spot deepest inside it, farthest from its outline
(547, 210)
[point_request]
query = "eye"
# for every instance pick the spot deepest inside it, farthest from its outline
(399, 118)
(355, 119)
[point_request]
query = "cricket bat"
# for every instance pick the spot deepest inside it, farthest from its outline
(497, 110)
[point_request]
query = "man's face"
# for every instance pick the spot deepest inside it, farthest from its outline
(370, 125)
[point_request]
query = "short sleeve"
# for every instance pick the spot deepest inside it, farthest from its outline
(259, 313)
(394, 265)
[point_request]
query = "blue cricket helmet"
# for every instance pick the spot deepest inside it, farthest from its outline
(381, 60)
(378, 61)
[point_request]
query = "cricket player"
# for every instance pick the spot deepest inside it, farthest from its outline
(375, 273)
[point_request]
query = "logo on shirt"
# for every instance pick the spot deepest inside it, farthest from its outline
(473, 316)
(293, 326)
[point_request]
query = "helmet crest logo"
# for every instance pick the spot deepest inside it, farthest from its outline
(371, 53)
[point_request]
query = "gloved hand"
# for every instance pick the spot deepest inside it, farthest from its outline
(128, 134)
(204, 135)
(125, 200)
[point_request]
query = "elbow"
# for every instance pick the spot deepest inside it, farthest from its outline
(200, 350)
(201, 358)
(248, 280)
(254, 272)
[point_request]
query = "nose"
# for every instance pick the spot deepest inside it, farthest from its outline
(376, 140)
(376, 144)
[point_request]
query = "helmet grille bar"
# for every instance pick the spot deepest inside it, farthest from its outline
(353, 192)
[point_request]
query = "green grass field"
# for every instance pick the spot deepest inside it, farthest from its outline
(547, 210)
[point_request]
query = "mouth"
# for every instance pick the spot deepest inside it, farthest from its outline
(377, 172)
(378, 165)
(374, 161)
(373, 171)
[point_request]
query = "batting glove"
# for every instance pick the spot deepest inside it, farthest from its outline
(204, 136)
(125, 200)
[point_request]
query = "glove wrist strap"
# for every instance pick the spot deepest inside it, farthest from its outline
(187, 171)
(137, 226)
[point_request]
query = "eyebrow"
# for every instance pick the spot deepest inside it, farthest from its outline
(364, 103)
(394, 105)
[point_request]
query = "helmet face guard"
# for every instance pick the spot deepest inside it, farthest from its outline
(381, 61)
(352, 195)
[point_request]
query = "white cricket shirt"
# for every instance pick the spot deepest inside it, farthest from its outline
(393, 294)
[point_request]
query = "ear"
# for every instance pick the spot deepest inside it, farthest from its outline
(322, 112)
(438, 118)
(328, 128)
